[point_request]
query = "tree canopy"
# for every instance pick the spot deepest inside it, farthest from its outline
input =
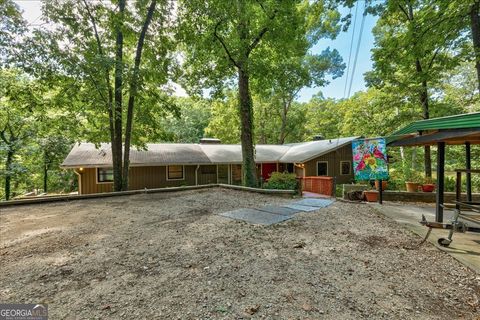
(106, 71)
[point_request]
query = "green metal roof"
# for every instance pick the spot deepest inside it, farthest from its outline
(460, 121)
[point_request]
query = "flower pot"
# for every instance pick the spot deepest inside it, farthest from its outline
(412, 186)
(429, 187)
(371, 196)
(384, 184)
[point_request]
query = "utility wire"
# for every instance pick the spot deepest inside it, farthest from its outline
(351, 47)
(358, 49)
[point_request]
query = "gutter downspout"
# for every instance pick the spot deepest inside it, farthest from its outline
(79, 176)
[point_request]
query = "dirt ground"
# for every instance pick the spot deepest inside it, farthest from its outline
(168, 256)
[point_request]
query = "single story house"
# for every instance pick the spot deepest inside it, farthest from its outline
(178, 164)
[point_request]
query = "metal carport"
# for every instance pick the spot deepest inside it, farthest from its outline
(463, 129)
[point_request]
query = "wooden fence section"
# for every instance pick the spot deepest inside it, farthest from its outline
(320, 185)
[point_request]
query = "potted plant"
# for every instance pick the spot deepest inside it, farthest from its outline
(428, 185)
(412, 179)
(371, 195)
(384, 184)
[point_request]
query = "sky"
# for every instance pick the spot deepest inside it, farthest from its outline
(335, 89)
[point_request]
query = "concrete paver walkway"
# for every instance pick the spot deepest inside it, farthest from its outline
(268, 215)
(465, 247)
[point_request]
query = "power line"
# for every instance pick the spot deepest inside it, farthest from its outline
(351, 47)
(358, 49)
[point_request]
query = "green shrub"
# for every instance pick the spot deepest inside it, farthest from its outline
(450, 183)
(282, 181)
(396, 184)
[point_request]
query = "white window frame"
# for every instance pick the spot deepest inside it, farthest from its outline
(178, 179)
(102, 182)
(317, 168)
(350, 168)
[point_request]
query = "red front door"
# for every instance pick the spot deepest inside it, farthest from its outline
(267, 169)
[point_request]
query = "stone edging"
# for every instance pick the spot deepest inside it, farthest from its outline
(48, 199)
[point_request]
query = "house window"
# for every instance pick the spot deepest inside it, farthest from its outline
(175, 173)
(345, 168)
(104, 175)
(322, 168)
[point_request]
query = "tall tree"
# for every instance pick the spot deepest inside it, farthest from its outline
(289, 74)
(12, 28)
(413, 45)
(228, 42)
(115, 39)
(20, 104)
(475, 30)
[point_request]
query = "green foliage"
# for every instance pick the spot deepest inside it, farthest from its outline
(12, 29)
(35, 136)
(189, 123)
(225, 123)
(282, 181)
(86, 65)
(450, 183)
(54, 82)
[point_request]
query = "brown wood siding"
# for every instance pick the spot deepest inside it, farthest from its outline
(223, 173)
(156, 176)
(207, 178)
(236, 174)
(89, 182)
(333, 159)
(139, 178)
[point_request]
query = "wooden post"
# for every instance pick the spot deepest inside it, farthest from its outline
(380, 191)
(440, 181)
(458, 189)
(468, 166)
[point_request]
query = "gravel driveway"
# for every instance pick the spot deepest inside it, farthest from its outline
(168, 256)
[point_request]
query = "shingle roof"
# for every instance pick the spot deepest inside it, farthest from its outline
(87, 155)
(302, 152)
(232, 153)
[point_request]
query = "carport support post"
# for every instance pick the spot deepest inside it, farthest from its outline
(468, 166)
(440, 181)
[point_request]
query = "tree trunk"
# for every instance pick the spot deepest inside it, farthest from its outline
(262, 136)
(133, 93)
(283, 116)
(109, 103)
(8, 176)
(246, 120)
(117, 114)
(475, 26)
(426, 115)
(45, 173)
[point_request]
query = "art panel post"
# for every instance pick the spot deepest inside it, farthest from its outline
(370, 159)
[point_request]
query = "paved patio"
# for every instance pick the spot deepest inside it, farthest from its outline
(465, 247)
